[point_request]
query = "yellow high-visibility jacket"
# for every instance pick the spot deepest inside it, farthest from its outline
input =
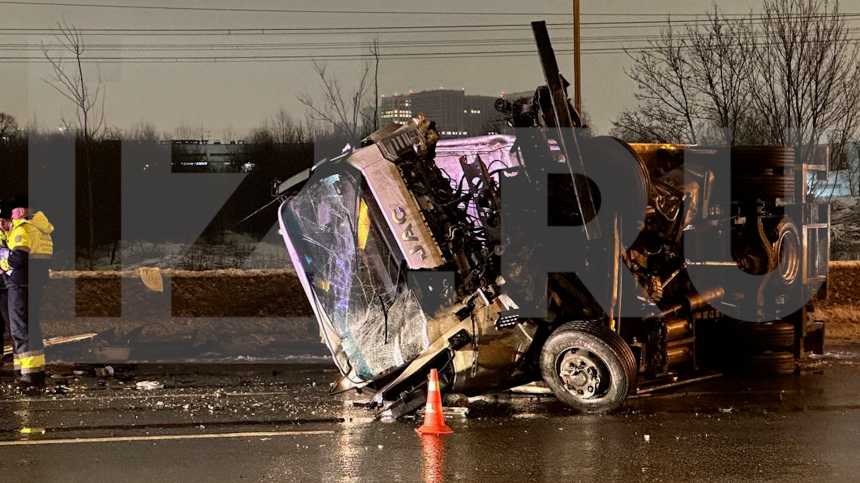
(28, 239)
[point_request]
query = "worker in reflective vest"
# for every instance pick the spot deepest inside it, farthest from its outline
(27, 268)
(5, 228)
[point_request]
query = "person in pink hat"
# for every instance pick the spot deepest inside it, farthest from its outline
(26, 271)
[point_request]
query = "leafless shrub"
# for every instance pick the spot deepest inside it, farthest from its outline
(787, 76)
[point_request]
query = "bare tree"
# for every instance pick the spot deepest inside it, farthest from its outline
(788, 77)
(70, 80)
(807, 68)
(142, 131)
(284, 130)
(8, 126)
(229, 135)
(665, 81)
(643, 125)
(344, 112)
(721, 56)
(87, 94)
(187, 132)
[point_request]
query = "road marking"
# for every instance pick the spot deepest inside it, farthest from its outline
(165, 437)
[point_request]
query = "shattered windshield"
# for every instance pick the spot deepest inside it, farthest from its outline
(357, 279)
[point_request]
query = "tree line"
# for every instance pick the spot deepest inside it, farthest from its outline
(278, 148)
(789, 76)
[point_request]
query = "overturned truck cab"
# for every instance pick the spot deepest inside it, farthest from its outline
(598, 267)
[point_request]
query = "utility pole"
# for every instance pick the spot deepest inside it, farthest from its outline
(577, 78)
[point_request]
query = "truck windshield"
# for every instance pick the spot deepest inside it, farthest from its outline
(340, 239)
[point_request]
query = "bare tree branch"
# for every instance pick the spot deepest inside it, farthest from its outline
(788, 76)
(89, 105)
(348, 115)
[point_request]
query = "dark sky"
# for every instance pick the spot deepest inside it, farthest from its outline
(230, 96)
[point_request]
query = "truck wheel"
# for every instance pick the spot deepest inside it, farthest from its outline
(762, 172)
(788, 252)
(762, 336)
(767, 364)
(588, 367)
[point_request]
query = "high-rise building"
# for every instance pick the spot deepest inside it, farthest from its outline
(445, 107)
(455, 113)
(395, 108)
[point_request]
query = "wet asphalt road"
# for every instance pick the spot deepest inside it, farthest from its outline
(276, 423)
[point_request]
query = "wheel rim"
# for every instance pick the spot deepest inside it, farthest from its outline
(583, 374)
(787, 254)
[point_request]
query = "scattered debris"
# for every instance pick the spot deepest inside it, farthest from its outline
(535, 388)
(647, 438)
(151, 278)
(459, 412)
(111, 354)
(56, 341)
(106, 371)
(60, 389)
(149, 385)
(455, 400)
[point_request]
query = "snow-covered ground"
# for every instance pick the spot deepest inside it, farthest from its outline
(234, 250)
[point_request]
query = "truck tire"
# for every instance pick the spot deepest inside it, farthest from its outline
(755, 159)
(762, 172)
(588, 367)
(767, 364)
(764, 336)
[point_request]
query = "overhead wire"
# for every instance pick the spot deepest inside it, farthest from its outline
(629, 41)
(435, 54)
(174, 8)
(399, 49)
(482, 13)
(414, 27)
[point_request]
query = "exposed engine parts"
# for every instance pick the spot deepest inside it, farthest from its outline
(602, 268)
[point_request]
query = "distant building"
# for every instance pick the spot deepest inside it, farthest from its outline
(455, 113)
(395, 108)
(190, 153)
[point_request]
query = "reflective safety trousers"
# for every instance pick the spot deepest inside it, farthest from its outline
(27, 345)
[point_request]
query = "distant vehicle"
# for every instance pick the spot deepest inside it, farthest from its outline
(417, 253)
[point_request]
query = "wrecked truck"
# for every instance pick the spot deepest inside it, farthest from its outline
(601, 268)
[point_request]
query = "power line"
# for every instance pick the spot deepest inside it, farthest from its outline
(635, 43)
(231, 32)
(627, 41)
(283, 58)
(275, 10)
(387, 29)
(332, 57)
(485, 13)
(447, 42)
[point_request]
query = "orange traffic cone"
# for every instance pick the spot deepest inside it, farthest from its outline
(434, 419)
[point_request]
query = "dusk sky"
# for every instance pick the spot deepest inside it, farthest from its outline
(227, 95)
